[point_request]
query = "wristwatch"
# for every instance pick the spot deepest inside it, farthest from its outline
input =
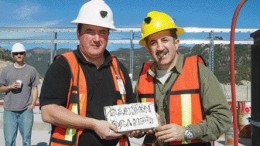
(188, 134)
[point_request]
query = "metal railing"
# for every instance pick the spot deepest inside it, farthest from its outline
(127, 35)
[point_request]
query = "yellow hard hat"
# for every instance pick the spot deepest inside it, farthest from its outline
(156, 21)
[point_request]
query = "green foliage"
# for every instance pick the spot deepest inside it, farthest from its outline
(5, 55)
(222, 61)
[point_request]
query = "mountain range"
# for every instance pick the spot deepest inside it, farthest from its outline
(40, 59)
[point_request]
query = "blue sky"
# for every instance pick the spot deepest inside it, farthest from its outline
(130, 13)
(192, 13)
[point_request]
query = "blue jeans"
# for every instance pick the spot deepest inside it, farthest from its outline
(12, 120)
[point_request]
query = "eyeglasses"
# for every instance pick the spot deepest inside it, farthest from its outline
(21, 53)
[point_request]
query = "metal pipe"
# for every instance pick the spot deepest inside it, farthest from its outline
(131, 55)
(211, 51)
(232, 70)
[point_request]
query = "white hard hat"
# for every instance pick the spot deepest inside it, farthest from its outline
(95, 12)
(18, 47)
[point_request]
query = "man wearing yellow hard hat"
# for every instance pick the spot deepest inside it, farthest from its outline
(188, 98)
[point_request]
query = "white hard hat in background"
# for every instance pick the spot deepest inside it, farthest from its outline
(18, 47)
(95, 12)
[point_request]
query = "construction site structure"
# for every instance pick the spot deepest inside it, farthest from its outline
(255, 69)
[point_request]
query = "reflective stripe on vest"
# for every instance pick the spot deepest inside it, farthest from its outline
(77, 100)
(145, 89)
(184, 99)
(119, 82)
(118, 78)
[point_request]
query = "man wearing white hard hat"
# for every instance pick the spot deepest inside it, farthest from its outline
(79, 84)
(19, 81)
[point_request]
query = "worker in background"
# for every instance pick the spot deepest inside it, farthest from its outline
(19, 81)
(79, 84)
(190, 102)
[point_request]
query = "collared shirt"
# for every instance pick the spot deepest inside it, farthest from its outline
(218, 114)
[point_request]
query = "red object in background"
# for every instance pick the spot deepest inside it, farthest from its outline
(244, 112)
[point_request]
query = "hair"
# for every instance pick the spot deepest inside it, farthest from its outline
(173, 32)
(79, 27)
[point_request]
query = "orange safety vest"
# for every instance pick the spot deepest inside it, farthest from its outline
(77, 101)
(184, 97)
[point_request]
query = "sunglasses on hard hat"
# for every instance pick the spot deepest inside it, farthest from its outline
(21, 53)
